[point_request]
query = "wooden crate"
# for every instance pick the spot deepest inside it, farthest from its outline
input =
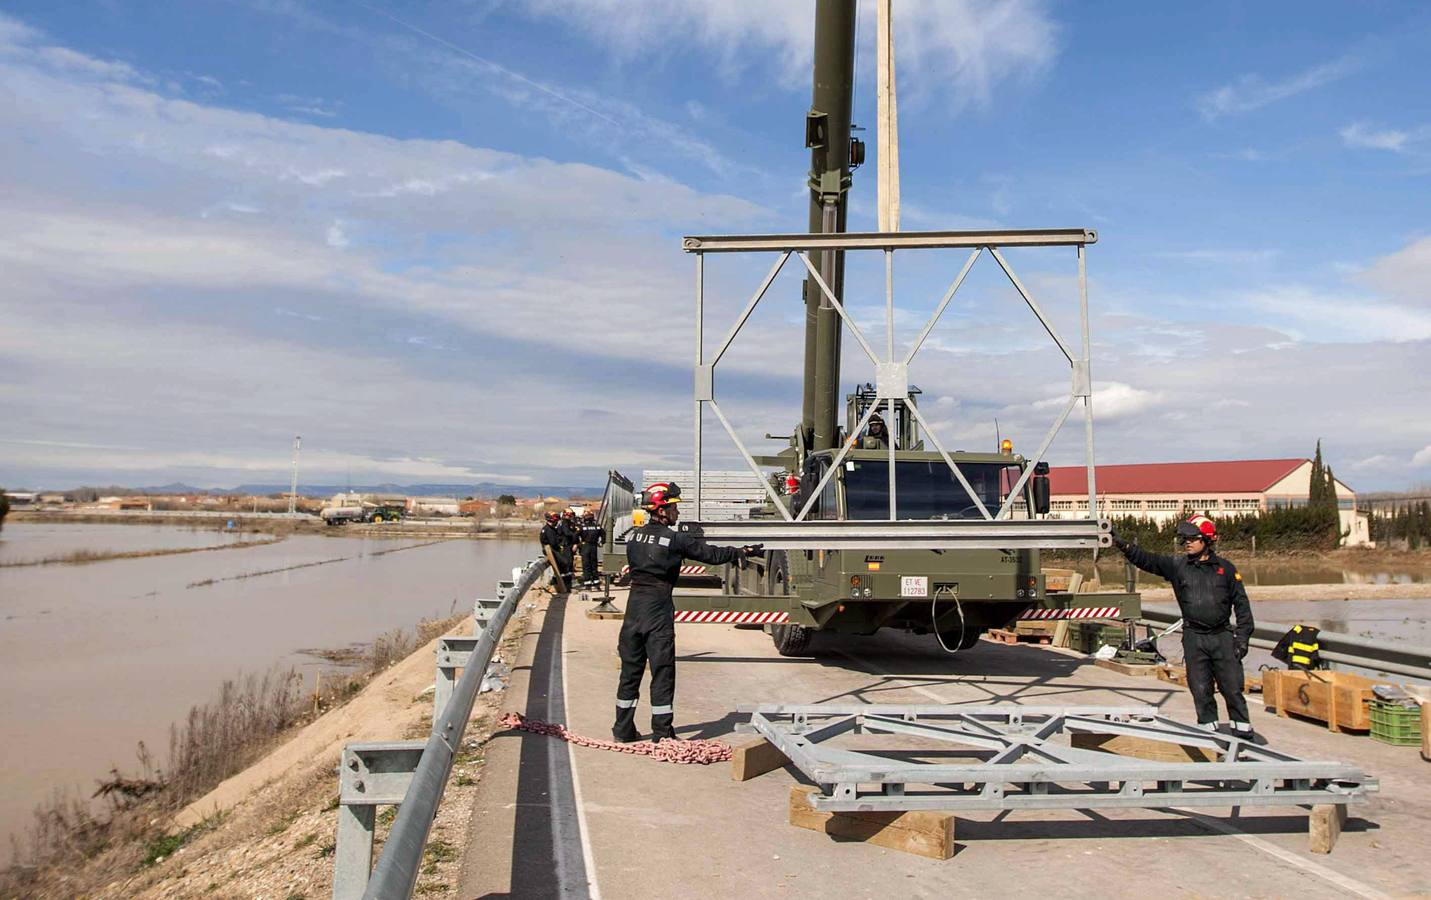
(1005, 636)
(1341, 699)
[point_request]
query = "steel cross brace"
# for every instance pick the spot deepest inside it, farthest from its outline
(1023, 768)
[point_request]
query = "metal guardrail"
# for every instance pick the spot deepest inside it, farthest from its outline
(395, 773)
(1391, 657)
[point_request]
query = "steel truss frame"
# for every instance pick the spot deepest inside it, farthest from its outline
(892, 381)
(1025, 769)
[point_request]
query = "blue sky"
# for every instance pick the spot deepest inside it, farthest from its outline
(441, 241)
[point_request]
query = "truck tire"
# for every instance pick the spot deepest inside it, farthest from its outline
(791, 640)
(952, 638)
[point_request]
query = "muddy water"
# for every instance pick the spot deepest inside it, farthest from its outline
(98, 657)
(26, 541)
(1266, 573)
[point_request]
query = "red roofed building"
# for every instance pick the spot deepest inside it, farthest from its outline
(1162, 490)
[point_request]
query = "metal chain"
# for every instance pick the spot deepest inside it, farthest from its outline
(697, 752)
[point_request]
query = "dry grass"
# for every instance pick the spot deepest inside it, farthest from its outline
(76, 845)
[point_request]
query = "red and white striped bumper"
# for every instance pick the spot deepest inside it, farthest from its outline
(1089, 612)
(728, 617)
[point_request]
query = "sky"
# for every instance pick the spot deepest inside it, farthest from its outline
(442, 241)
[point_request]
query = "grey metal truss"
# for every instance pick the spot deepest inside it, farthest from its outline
(892, 371)
(909, 534)
(1018, 764)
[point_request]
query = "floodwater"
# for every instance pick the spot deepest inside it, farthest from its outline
(28, 542)
(98, 657)
(1282, 571)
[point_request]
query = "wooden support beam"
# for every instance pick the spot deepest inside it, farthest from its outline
(754, 758)
(1324, 826)
(920, 832)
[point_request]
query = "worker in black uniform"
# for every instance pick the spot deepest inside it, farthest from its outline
(566, 528)
(551, 539)
(876, 437)
(1209, 592)
(590, 535)
(654, 552)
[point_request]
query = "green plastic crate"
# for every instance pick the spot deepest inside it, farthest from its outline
(1392, 723)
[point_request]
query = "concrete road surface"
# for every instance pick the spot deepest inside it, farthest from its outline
(552, 820)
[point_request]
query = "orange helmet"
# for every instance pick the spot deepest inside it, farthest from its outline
(662, 493)
(1198, 526)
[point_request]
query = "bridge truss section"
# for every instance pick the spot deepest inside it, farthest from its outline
(1010, 757)
(891, 380)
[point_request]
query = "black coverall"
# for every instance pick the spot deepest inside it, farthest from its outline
(567, 557)
(551, 540)
(648, 632)
(1209, 591)
(591, 535)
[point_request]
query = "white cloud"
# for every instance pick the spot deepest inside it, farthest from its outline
(1358, 134)
(1252, 92)
(1422, 457)
(1375, 463)
(956, 51)
(1343, 316)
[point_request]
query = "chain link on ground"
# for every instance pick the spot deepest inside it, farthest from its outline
(695, 752)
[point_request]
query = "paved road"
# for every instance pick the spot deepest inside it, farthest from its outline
(551, 820)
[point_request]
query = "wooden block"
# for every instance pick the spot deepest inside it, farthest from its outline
(593, 614)
(1142, 748)
(1002, 636)
(754, 758)
(1126, 668)
(921, 832)
(1324, 826)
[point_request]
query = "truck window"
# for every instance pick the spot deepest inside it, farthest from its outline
(927, 490)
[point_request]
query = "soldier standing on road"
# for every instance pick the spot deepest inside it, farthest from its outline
(552, 545)
(1209, 592)
(591, 536)
(654, 552)
(566, 528)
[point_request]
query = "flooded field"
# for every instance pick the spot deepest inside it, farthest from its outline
(103, 655)
(25, 542)
(1268, 572)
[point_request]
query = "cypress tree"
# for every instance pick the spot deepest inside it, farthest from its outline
(1318, 480)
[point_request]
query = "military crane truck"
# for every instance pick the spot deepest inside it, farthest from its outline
(899, 533)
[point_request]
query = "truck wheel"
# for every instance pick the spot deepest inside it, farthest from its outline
(378, 517)
(952, 638)
(778, 576)
(791, 640)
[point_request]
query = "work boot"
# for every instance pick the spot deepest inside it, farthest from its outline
(1242, 731)
(628, 735)
(664, 734)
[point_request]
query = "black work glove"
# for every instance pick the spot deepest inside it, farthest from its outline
(1241, 649)
(1118, 542)
(751, 550)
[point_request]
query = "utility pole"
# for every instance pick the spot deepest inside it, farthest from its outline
(887, 126)
(293, 486)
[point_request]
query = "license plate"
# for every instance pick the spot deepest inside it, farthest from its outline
(913, 586)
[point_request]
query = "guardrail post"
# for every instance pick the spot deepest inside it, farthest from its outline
(369, 775)
(453, 652)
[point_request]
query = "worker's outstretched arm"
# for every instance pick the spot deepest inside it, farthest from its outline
(692, 547)
(1153, 563)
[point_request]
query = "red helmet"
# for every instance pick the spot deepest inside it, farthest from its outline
(662, 493)
(553, 518)
(1198, 526)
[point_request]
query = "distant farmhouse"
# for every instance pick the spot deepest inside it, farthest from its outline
(1159, 491)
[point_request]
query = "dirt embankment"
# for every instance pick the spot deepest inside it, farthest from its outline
(270, 830)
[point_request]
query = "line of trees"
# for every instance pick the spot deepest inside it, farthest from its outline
(1408, 525)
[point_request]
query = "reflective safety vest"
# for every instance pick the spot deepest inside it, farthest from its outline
(1299, 648)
